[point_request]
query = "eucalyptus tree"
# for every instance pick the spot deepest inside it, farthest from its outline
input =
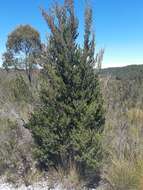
(23, 46)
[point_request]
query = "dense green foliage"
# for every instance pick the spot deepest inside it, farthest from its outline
(67, 126)
(20, 89)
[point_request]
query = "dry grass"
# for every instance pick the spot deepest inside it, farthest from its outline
(68, 180)
(124, 168)
(125, 175)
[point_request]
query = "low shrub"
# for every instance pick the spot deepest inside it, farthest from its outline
(123, 170)
(20, 89)
(16, 160)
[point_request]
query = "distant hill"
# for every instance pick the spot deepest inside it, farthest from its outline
(127, 72)
(132, 72)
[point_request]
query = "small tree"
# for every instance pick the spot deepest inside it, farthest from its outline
(8, 60)
(67, 126)
(23, 46)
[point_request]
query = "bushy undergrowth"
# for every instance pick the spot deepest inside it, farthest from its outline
(124, 166)
(15, 88)
(123, 144)
(16, 160)
(20, 90)
(17, 164)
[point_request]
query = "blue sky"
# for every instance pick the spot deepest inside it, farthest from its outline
(118, 25)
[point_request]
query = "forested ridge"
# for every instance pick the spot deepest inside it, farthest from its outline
(126, 72)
